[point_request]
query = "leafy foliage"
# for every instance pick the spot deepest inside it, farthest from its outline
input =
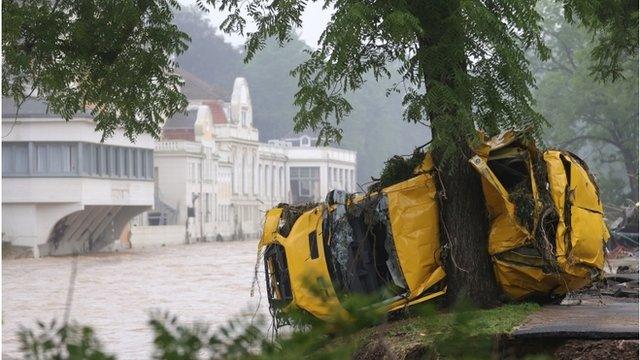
(462, 63)
(399, 168)
(114, 58)
(614, 27)
(173, 340)
(66, 341)
(466, 55)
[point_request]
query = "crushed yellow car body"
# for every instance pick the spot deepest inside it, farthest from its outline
(547, 235)
(384, 244)
(547, 231)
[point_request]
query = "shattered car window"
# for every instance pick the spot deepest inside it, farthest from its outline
(362, 256)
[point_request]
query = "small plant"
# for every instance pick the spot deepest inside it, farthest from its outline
(55, 341)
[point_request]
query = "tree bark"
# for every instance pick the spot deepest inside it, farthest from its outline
(464, 228)
(464, 222)
(631, 167)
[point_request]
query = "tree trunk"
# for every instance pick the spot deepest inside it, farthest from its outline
(631, 167)
(464, 226)
(464, 221)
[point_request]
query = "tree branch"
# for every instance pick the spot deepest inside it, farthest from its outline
(591, 138)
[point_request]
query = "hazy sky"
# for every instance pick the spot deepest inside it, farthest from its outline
(314, 21)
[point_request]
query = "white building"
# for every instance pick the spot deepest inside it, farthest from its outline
(211, 160)
(63, 191)
(314, 170)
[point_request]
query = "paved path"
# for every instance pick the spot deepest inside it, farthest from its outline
(589, 320)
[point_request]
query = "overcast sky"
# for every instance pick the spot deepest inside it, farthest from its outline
(314, 21)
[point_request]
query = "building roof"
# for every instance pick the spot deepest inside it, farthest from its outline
(31, 108)
(217, 111)
(182, 120)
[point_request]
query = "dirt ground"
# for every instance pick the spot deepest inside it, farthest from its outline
(570, 349)
(597, 349)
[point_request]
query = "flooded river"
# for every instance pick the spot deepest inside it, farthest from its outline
(115, 292)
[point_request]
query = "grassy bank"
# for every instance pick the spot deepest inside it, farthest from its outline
(463, 333)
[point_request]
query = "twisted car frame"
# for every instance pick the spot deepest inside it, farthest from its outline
(546, 238)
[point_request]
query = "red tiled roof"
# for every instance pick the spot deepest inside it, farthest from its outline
(219, 117)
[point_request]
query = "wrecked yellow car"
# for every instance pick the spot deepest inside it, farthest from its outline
(383, 245)
(546, 238)
(547, 232)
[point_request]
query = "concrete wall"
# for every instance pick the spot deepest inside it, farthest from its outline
(77, 190)
(152, 236)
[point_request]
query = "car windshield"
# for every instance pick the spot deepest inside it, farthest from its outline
(360, 251)
(277, 276)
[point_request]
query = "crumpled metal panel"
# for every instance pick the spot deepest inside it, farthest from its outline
(311, 285)
(580, 233)
(270, 228)
(520, 281)
(414, 216)
(505, 233)
(582, 242)
(310, 281)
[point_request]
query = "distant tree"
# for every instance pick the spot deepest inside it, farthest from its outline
(273, 88)
(112, 58)
(464, 67)
(599, 119)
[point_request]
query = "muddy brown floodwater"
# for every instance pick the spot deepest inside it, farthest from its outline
(115, 292)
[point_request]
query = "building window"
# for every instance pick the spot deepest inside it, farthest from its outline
(56, 158)
(15, 158)
(305, 184)
(124, 162)
(63, 159)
